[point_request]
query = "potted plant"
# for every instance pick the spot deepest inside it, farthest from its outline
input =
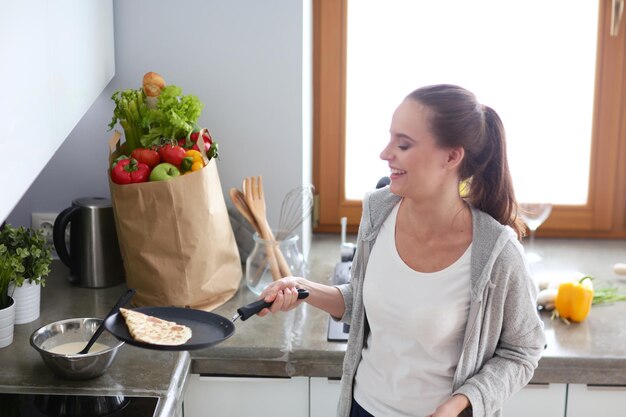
(30, 246)
(10, 268)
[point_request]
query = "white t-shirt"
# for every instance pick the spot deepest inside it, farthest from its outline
(417, 322)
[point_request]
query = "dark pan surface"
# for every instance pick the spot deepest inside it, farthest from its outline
(207, 329)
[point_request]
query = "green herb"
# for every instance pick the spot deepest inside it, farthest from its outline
(607, 295)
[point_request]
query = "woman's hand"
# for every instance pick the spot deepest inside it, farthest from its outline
(283, 293)
(452, 407)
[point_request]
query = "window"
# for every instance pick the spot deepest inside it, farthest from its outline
(588, 197)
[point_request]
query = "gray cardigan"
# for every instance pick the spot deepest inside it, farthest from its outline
(504, 336)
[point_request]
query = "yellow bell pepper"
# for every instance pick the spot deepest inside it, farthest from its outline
(573, 300)
(192, 161)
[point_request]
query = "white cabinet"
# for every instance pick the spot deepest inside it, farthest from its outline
(236, 397)
(318, 397)
(324, 397)
(588, 400)
(537, 400)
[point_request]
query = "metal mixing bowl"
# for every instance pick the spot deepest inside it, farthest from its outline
(74, 366)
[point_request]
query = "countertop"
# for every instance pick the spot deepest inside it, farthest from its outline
(593, 351)
(294, 343)
(132, 373)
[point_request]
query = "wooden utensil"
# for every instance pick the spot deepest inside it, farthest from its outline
(255, 199)
(239, 202)
(236, 196)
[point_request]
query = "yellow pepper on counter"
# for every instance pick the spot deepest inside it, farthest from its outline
(192, 161)
(573, 299)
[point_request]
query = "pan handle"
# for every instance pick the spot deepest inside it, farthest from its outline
(251, 309)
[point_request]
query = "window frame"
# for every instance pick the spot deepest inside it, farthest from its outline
(604, 215)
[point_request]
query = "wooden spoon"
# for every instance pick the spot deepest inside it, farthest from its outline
(239, 202)
(255, 198)
(236, 196)
(255, 201)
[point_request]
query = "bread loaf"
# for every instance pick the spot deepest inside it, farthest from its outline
(153, 83)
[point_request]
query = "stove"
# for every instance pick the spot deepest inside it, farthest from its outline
(49, 405)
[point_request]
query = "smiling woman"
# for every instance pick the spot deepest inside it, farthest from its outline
(549, 86)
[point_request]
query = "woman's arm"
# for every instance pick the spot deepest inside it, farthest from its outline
(284, 294)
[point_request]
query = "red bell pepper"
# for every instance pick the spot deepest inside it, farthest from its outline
(129, 171)
(118, 159)
(193, 141)
(209, 146)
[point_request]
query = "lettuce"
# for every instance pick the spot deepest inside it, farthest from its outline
(174, 117)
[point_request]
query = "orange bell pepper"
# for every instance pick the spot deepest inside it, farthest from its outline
(573, 299)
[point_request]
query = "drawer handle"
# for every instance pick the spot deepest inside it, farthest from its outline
(598, 387)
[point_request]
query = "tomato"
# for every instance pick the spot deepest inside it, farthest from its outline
(172, 154)
(146, 156)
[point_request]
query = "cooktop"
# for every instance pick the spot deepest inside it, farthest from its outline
(49, 405)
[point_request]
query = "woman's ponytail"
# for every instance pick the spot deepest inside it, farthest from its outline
(491, 185)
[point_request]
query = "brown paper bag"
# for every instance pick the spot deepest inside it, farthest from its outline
(176, 239)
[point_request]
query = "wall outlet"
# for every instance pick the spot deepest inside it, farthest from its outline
(45, 222)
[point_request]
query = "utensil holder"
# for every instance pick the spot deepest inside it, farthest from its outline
(258, 273)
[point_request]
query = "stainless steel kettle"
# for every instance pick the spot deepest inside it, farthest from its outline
(94, 257)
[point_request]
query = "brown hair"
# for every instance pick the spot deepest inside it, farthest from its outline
(458, 119)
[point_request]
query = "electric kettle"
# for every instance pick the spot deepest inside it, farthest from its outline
(94, 257)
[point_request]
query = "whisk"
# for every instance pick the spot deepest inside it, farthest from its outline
(295, 209)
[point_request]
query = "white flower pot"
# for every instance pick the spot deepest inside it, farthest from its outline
(7, 320)
(27, 301)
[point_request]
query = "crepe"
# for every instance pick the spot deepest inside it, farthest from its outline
(153, 330)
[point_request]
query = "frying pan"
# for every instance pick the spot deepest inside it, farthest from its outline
(207, 328)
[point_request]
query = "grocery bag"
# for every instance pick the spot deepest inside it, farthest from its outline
(176, 239)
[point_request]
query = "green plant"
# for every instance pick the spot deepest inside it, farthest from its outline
(11, 270)
(31, 247)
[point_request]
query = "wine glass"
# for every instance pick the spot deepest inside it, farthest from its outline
(534, 214)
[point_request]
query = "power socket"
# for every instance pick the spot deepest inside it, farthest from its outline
(45, 222)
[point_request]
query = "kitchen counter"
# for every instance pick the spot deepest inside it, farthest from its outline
(132, 373)
(294, 343)
(593, 351)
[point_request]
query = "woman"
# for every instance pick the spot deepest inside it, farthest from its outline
(441, 303)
